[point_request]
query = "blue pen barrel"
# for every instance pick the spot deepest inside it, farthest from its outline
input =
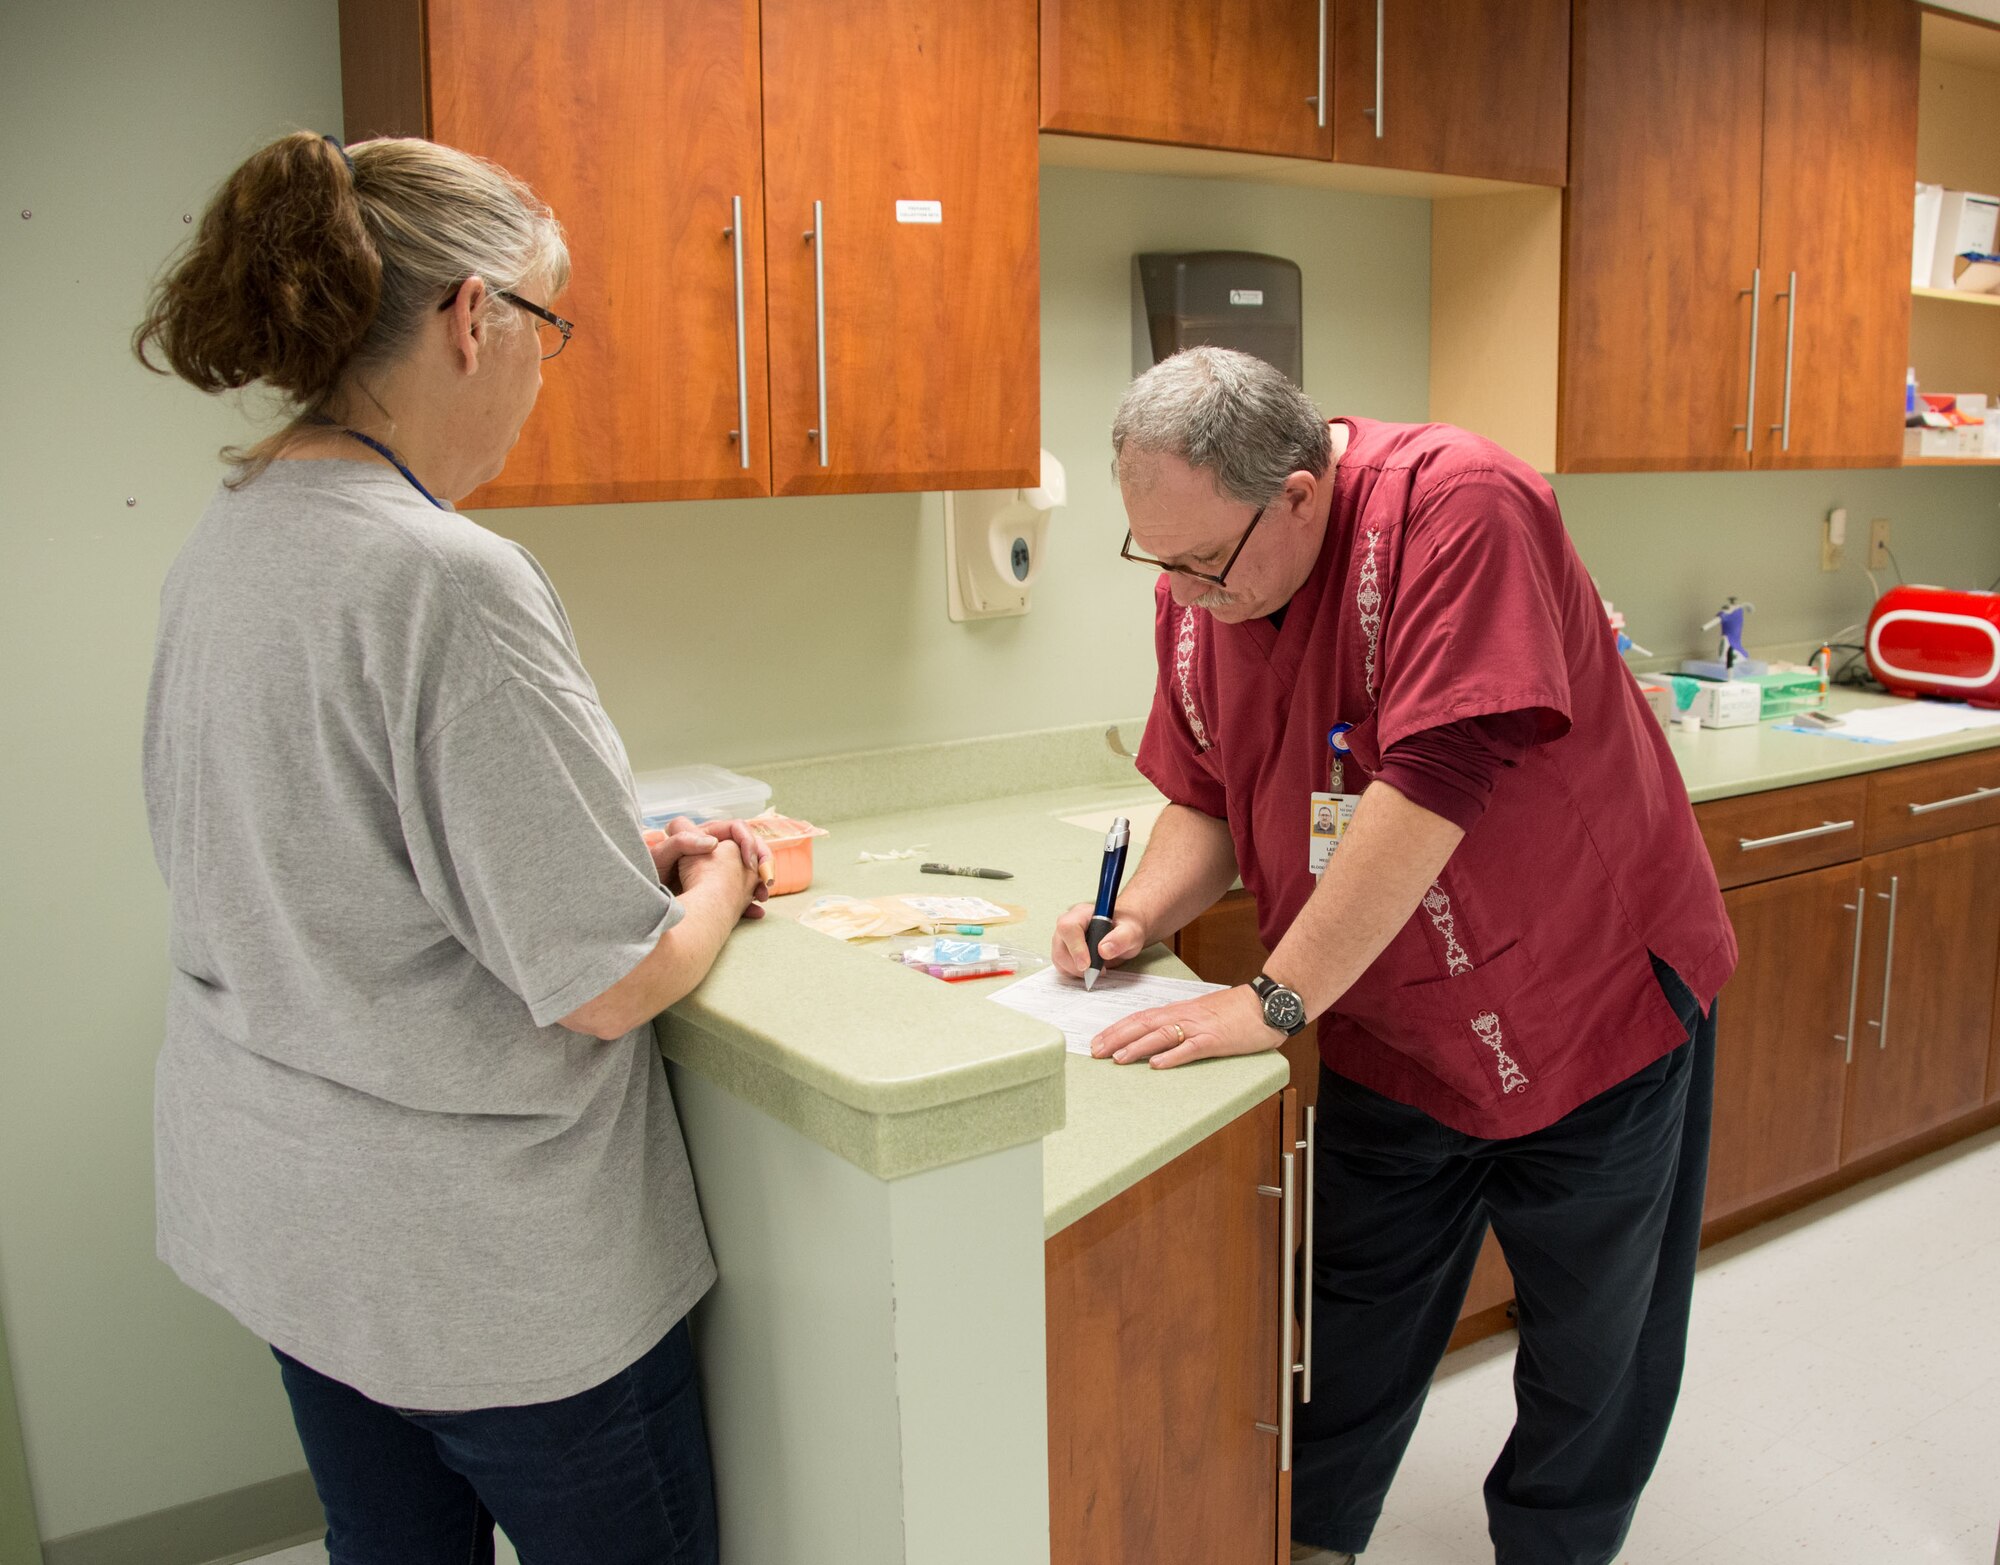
(1109, 879)
(1116, 841)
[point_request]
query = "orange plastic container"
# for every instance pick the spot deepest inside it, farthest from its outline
(791, 845)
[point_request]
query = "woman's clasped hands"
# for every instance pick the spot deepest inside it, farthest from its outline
(727, 853)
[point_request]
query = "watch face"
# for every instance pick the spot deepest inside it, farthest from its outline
(1284, 1010)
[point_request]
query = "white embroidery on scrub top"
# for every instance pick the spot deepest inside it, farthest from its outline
(1486, 1027)
(1368, 599)
(1184, 646)
(1438, 905)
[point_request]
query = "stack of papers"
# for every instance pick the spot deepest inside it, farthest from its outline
(1903, 723)
(1051, 996)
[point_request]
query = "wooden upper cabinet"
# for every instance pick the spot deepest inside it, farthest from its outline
(638, 123)
(1472, 87)
(1239, 75)
(908, 127)
(1661, 234)
(1840, 156)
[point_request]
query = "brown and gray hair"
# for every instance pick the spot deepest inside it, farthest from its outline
(1226, 413)
(312, 263)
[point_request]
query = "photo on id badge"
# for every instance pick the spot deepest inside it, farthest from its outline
(1328, 820)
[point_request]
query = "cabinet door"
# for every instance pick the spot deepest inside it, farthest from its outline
(1660, 241)
(638, 123)
(902, 134)
(1163, 1338)
(1781, 1035)
(1472, 87)
(1840, 156)
(1927, 994)
(1242, 75)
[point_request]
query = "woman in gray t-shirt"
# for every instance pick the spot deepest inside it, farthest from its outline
(411, 1126)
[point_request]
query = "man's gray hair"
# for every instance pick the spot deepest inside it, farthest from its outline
(1225, 413)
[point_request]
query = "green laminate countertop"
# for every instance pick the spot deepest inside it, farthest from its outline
(898, 1072)
(1720, 763)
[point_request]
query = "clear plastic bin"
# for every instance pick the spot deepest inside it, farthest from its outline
(701, 793)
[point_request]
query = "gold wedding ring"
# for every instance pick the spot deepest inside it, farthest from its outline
(1179, 1036)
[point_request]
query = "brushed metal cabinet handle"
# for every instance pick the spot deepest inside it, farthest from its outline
(1375, 113)
(1824, 829)
(741, 433)
(1286, 1192)
(1881, 1023)
(1859, 908)
(816, 237)
(1309, 1146)
(1756, 292)
(1951, 804)
(1318, 96)
(1783, 429)
(1287, 1301)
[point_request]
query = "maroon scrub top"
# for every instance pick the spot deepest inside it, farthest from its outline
(1447, 588)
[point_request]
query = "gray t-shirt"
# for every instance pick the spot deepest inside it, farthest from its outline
(400, 841)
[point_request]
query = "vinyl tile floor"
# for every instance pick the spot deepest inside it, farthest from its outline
(1841, 1405)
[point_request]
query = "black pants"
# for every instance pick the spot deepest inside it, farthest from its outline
(1600, 1218)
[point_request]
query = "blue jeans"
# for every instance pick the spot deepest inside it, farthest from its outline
(616, 1475)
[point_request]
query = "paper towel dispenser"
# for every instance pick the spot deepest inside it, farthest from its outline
(1225, 298)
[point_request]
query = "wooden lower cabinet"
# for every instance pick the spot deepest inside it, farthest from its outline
(1926, 1030)
(1163, 1358)
(1780, 1051)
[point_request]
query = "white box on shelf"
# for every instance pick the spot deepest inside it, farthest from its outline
(1969, 441)
(1967, 221)
(1923, 246)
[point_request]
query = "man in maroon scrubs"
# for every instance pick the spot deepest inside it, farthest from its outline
(1512, 946)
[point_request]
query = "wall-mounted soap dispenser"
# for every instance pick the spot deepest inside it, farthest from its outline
(993, 541)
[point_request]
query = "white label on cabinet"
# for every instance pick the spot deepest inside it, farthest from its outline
(1246, 296)
(920, 211)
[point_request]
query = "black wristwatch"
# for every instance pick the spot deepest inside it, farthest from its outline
(1283, 1009)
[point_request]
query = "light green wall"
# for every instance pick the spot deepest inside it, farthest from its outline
(20, 1539)
(116, 117)
(1668, 549)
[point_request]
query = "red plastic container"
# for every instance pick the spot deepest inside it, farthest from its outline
(1935, 641)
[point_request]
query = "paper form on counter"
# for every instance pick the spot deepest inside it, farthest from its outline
(1899, 724)
(1054, 997)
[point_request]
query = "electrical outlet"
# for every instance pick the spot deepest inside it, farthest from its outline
(1833, 540)
(1878, 544)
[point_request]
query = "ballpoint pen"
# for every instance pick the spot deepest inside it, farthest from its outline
(967, 869)
(1115, 843)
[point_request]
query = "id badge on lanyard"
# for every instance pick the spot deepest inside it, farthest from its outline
(1333, 810)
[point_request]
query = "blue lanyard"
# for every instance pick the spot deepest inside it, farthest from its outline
(377, 446)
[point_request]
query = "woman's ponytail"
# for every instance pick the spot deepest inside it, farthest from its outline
(280, 284)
